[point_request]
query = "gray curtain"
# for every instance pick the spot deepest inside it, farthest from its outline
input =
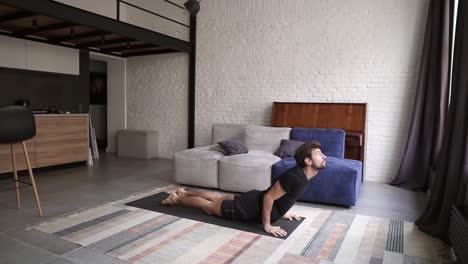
(449, 186)
(430, 105)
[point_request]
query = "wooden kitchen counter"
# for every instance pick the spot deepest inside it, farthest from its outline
(60, 139)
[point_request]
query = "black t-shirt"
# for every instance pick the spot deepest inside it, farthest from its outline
(293, 181)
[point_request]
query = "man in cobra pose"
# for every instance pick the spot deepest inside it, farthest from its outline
(263, 206)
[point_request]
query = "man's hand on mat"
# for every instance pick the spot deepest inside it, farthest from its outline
(275, 230)
(291, 217)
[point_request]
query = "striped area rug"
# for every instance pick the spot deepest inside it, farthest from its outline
(326, 236)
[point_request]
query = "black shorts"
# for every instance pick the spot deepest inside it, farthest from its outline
(245, 206)
(229, 210)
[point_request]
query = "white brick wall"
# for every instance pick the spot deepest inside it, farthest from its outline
(157, 98)
(253, 52)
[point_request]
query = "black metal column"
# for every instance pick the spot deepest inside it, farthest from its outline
(191, 85)
(193, 8)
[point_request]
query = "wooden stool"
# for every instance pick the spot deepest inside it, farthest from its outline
(18, 125)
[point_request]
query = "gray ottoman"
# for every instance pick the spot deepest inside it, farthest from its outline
(197, 166)
(138, 143)
(244, 172)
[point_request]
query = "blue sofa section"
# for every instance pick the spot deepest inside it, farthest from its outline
(340, 182)
(332, 140)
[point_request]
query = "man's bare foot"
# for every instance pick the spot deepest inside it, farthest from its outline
(181, 192)
(171, 199)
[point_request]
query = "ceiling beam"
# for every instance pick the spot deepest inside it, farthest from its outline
(15, 16)
(82, 36)
(105, 42)
(129, 48)
(148, 52)
(30, 31)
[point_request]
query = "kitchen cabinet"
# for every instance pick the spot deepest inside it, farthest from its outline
(37, 56)
(59, 139)
(5, 156)
(50, 58)
(12, 53)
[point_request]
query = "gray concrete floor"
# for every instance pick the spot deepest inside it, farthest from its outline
(66, 190)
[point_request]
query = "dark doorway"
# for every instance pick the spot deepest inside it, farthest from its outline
(98, 101)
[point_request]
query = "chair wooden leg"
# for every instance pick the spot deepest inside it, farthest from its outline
(15, 175)
(36, 195)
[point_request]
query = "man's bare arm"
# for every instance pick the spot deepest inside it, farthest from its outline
(275, 192)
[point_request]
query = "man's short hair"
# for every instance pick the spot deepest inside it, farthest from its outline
(305, 151)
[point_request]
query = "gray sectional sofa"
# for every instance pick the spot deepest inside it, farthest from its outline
(339, 183)
(208, 167)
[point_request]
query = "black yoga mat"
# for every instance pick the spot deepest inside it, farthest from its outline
(153, 203)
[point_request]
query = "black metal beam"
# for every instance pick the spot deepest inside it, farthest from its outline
(15, 16)
(129, 48)
(43, 29)
(79, 16)
(105, 42)
(148, 52)
(81, 36)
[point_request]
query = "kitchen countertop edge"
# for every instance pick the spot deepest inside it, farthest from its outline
(61, 114)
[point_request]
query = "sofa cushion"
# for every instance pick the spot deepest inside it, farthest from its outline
(265, 138)
(288, 148)
(244, 172)
(233, 147)
(197, 166)
(339, 183)
(221, 132)
(200, 153)
(332, 140)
